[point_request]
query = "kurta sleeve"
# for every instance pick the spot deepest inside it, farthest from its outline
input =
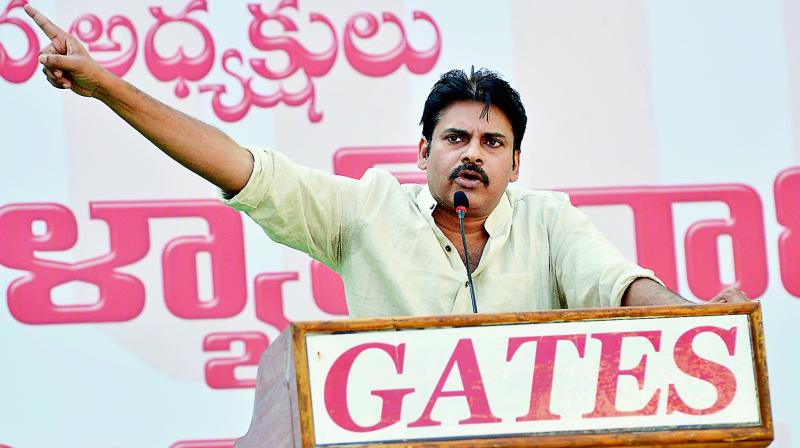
(303, 208)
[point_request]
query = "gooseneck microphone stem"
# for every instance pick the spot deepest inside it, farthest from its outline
(466, 257)
(461, 204)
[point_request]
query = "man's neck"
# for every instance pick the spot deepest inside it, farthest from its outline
(474, 230)
(448, 223)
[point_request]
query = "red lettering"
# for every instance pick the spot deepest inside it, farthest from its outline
(364, 25)
(336, 389)
(179, 66)
(745, 226)
(354, 162)
(787, 190)
(608, 377)
(225, 245)
(121, 296)
(655, 233)
(89, 29)
(221, 372)
(311, 64)
(464, 358)
(709, 371)
(18, 70)
(544, 363)
(327, 289)
(299, 57)
(269, 298)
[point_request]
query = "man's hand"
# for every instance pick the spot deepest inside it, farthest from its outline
(66, 62)
(199, 147)
(730, 295)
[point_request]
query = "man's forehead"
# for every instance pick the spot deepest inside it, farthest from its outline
(466, 116)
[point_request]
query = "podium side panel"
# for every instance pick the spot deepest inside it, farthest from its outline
(275, 422)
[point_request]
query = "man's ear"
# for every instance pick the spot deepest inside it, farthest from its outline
(422, 154)
(515, 164)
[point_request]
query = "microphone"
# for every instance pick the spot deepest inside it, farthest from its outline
(461, 203)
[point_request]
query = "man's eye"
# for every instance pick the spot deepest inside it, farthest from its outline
(453, 139)
(494, 143)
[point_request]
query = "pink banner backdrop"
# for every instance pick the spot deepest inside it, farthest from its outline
(137, 304)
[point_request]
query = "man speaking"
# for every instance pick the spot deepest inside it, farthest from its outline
(401, 249)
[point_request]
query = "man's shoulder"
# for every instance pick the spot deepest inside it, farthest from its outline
(386, 179)
(541, 199)
(384, 185)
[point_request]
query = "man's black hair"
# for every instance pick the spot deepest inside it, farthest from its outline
(484, 86)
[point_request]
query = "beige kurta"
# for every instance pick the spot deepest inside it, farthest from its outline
(542, 252)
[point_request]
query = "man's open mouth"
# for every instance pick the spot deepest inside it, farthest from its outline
(471, 175)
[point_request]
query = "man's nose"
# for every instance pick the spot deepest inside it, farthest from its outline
(472, 152)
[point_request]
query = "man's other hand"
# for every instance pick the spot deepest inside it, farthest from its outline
(731, 294)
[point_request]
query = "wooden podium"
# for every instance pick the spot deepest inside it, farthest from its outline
(649, 376)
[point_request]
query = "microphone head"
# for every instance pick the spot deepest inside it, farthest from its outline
(460, 201)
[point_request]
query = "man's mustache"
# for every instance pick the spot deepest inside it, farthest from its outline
(469, 166)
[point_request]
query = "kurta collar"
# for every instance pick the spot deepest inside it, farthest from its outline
(498, 224)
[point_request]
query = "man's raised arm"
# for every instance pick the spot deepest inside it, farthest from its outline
(200, 147)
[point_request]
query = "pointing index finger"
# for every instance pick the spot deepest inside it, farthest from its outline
(49, 28)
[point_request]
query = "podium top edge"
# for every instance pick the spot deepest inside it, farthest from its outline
(471, 320)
